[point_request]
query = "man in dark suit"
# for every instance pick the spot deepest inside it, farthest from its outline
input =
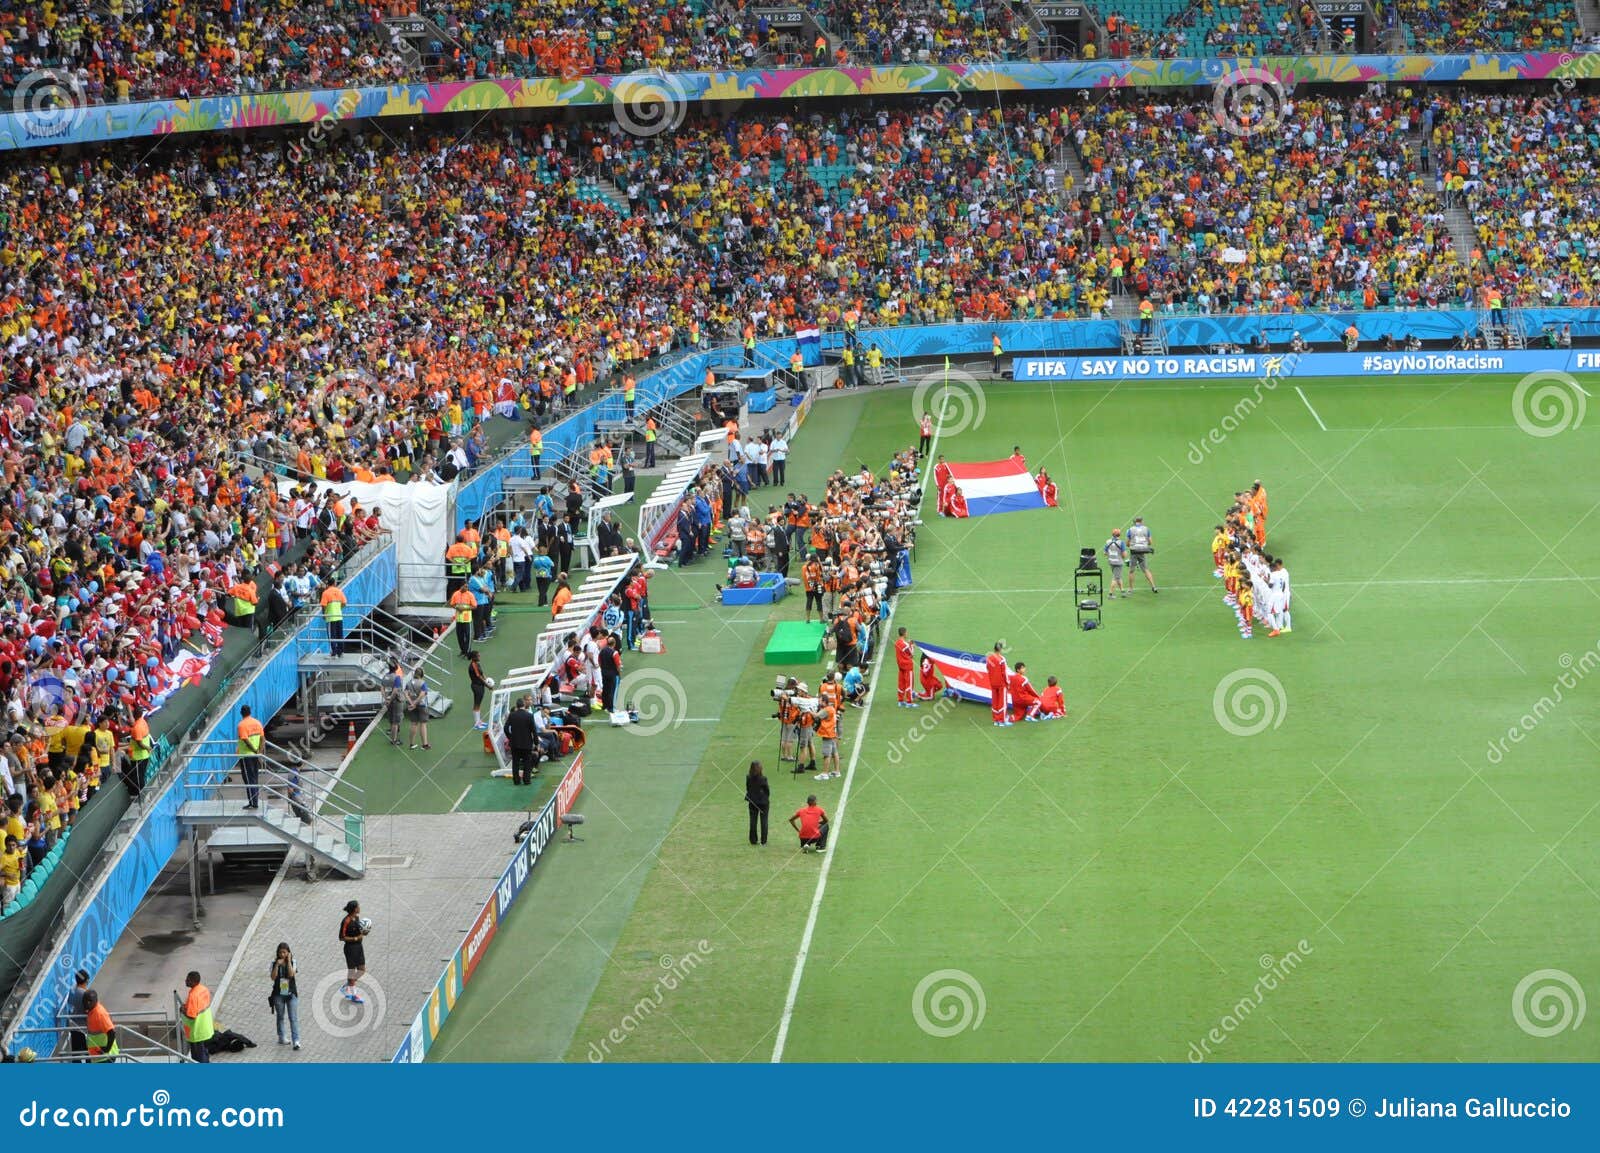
(519, 732)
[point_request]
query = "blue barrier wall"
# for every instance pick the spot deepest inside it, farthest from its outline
(102, 922)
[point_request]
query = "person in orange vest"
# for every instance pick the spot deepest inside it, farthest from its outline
(458, 560)
(749, 348)
(995, 349)
(630, 393)
(650, 427)
(333, 602)
(462, 602)
(1492, 297)
(819, 51)
(535, 449)
(1147, 316)
(137, 763)
(243, 595)
(99, 1030)
(251, 737)
(198, 1025)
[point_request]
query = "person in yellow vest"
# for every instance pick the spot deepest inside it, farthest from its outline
(749, 347)
(99, 1030)
(630, 393)
(1492, 297)
(458, 560)
(847, 368)
(251, 737)
(875, 364)
(995, 349)
(333, 602)
(198, 1026)
(462, 602)
(535, 449)
(140, 747)
(650, 442)
(819, 51)
(694, 333)
(569, 387)
(797, 367)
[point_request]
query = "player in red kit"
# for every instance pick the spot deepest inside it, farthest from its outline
(931, 684)
(903, 663)
(951, 501)
(1024, 700)
(995, 663)
(942, 474)
(1047, 488)
(1051, 703)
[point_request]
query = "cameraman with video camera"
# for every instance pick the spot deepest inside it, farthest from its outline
(1140, 546)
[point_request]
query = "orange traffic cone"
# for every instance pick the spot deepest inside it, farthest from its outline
(350, 738)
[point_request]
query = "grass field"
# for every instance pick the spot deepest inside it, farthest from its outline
(1373, 875)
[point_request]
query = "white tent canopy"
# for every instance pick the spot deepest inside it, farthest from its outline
(418, 516)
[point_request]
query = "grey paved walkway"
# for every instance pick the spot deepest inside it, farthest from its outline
(422, 902)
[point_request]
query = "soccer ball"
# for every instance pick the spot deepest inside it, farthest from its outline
(489, 681)
(365, 925)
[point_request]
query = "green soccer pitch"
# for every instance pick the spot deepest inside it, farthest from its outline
(1372, 839)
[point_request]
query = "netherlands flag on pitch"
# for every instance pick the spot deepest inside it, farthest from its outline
(808, 339)
(997, 486)
(964, 674)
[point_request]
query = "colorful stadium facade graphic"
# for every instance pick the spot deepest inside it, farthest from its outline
(59, 123)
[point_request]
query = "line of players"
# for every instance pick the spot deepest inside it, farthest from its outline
(1255, 583)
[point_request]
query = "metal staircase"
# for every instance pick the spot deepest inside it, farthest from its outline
(1136, 344)
(1501, 336)
(352, 684)
(327, 821)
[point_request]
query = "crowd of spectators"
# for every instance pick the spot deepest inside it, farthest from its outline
(1324, 204)
(107, 51)
(1529, 170)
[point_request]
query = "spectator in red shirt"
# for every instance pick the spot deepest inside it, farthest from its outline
(812, 825)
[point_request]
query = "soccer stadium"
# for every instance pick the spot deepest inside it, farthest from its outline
(525, 526)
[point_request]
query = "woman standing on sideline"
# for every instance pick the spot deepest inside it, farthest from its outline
(352, 934)
(480, 685)
(285, 994)
(758, 795)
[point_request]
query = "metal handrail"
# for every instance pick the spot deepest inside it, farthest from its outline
(285, 783)
(148, 1046)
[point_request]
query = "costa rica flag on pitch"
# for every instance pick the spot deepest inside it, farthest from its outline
(965, 674)
(992, 486)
